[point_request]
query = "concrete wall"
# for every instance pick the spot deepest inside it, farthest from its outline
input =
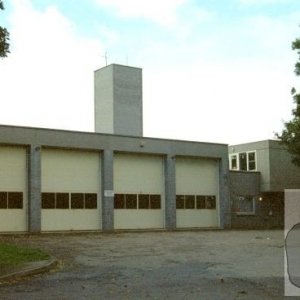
(118, 100)
(128, 101)
(104, 100)
(284, 174)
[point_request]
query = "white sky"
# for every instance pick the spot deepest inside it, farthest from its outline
(214, 71)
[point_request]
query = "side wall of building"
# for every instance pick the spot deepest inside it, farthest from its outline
(284, 174)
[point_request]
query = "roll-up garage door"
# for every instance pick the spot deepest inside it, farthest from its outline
(197, 192)
(70, 190)
(139, 192)
(13, 189)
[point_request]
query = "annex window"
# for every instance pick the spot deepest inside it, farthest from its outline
(233, 162)
(251, 161)
(244, 204)
(243, 161)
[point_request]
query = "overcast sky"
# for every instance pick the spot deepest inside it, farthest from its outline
(213, 70)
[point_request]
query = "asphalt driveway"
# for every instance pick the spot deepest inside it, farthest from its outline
(157, 265)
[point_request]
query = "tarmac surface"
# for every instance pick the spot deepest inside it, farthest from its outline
(156, 265)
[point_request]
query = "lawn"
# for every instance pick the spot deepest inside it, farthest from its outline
(12, 255)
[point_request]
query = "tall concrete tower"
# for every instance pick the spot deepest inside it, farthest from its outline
(119, 100)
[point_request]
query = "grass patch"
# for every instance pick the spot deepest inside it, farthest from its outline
(12, 255)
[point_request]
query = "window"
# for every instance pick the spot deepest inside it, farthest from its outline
(119, 201)
(137, 201)
(3, 200)
(131, 201)
(90, 200)
(155, 201)
(179, 201)
(251, 161)
(15, 200)
(77, 200)
(200, 202)
(244, 161)
(233, 162)
(62, 200)
(189, 202)
(210, 202)
(144, 201)
(244, 205)
(48, 200)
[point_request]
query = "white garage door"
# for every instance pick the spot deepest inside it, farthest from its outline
(13, 189)
(139, 196)
(197, 192)
(70, 190)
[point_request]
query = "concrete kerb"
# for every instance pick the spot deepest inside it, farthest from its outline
(35, 268)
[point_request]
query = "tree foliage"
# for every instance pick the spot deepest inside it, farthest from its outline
(290, 135)
(4, 37)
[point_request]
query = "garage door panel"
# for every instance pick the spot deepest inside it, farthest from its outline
(128, 219)
(66, 173)
(197, 179)
(134, 173)
(53, 220)
(70, 170)
(192, 218)
(196, 176)
(136, 176)
(13, 178)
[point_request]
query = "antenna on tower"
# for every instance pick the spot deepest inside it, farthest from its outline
(105, 56)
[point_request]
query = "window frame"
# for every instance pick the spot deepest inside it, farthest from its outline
(247, 213)
(237, 156)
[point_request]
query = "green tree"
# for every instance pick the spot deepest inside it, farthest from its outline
(290, 135)
(4, 37)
